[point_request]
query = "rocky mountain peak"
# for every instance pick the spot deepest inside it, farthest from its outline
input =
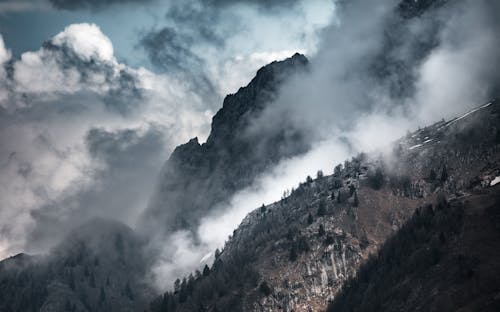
(253, 97)
(199, 176)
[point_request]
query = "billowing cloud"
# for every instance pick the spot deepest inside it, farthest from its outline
(83, 135)
(218, 47)
(377, 74)
(87, 41)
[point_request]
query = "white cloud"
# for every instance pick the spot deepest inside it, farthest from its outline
(40, 72)
(340, 103)
(79, 58)
(87, 41)
(57, 95)
(458, 75)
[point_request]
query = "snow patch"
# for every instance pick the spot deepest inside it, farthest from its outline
(468, 113)
(495, 181)
(206, 257)
(414, 146)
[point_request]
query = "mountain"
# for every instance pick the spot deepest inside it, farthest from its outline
(298, 253)
(98, 267)
(103, 265)
(198, 177)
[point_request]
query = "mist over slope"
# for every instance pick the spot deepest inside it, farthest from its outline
(198, 177)
(377, 74)
(298, 253)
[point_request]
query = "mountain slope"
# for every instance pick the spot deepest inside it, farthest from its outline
(296, 254)
(198, 177)
(446, 258)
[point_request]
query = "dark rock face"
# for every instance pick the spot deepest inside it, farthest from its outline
(198, 177)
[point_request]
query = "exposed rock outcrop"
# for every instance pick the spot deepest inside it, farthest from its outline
(198, 177)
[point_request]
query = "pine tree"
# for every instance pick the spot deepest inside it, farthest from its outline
(293, 253)
(319, 174)
(310, 219)
(92, 280)
(377, 179)
(206, 270)
(444, 174)
(217, 253)
(128, 291)
(177, 286)
(265, 288)
(309, 180)
(183, 291)
(321, 230)
(72, 280)
(352, 189)
(432, 175)
(102, 296)
(338, 170)
(321, 208)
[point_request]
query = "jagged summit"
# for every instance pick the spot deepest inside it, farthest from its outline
(254, 96)
(197, 177)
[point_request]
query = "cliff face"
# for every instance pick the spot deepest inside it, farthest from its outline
(197, 177)
(296, 254)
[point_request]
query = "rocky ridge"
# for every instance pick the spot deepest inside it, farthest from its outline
(296, 254)
(197, 177)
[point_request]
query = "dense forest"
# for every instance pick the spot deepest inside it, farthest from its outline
(442, 259)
